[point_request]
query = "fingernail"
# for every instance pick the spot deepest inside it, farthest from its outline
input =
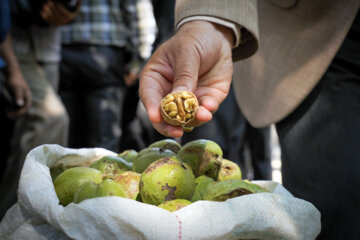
(20, 102)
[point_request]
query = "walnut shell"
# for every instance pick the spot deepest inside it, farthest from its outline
(179, 108)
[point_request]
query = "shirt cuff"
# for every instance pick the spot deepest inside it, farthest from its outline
(235, 27)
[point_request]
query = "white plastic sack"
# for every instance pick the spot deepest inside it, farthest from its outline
(38, 215)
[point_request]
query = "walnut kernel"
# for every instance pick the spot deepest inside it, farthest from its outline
(179, 108)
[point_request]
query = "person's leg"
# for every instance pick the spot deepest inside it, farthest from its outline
(7, 126)
(260, 151)
(237, 141)
(93, 90)
(52, 74)
(321, 154)
(137, 133)
(102, 109)
(320, 144)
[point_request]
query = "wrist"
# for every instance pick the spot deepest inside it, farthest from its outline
(223, 33)
(227, 34)
(14, 72)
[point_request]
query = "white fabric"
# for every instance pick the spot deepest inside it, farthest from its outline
(38, 215)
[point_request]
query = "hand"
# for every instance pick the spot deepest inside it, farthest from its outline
(56, 14)
(196, 59)
(22, 95)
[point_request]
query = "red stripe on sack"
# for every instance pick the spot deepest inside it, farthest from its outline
(179, 226)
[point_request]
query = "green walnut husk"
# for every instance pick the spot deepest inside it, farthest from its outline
(222, 190)
(106, 188)
(111, 166)
(128, 155)
(203, 156)
(196, 196)
(69, 181)
(229, 170)
(148, 156)
(70, 161)
(168, 143)
(57, 170)
(166, 179)
(201, 184)
(130, 183)
(174, 205)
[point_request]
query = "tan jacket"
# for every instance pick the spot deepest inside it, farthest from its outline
(293, 41)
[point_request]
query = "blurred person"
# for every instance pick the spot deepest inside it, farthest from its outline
(36, 43)
(103, 49)
(15, 94)
(13, 86)
(258, 142)
(134, 134)
(165, 19)
(304, 78)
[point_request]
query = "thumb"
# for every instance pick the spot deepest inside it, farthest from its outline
(186, 70)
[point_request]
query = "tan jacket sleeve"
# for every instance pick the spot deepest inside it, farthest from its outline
(242, 12)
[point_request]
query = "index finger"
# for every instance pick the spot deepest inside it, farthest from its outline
(153, 87)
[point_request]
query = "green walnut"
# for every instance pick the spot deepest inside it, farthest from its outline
(111, 166)
(130, 183)
(128, 155)
(222, 190)
(229, 170)
(148, 156)
(174, 205)
(106, 188)
(201, 185)
(166, 179)
(203, 156)
(69, 181)
(57, 170)
(168, 143)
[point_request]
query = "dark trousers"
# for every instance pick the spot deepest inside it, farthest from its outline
(258, 141)
(7, 126)
(93, 90)
(320, 145)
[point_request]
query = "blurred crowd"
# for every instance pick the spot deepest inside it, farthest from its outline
(69, 72)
